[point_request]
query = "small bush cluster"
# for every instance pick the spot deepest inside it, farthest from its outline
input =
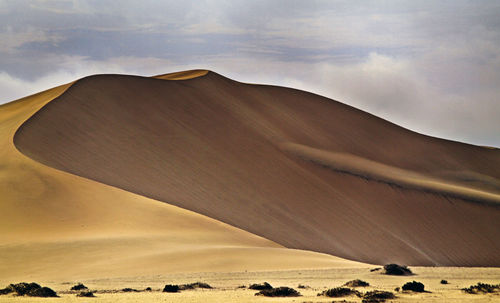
(339, 292)
(444, 282)
(79, 286)
(482, 288)
(177, 288)
(262, 286)
(397, 270)
(28, 289)
(279, 292)
(86, 293)
(356, 283)
(171, 288)
(194, 285)
(128, 289)
(377, 296)
(414, 286)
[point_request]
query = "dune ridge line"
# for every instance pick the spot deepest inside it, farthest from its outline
(372, 170)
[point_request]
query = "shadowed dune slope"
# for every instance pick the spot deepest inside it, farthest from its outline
(296, 168)
(59, 226)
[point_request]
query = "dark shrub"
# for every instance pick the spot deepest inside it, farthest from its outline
(171, 288)
(279, 292)
(396, 289)
(414, 286)
(79, 286)
(194, 285)
(398, 270)
(262, 286)
(148, 289)
(42, 292)
(85, 293)
(302, 286)
(377, 296)
(128, 289)
(356, 283)
(20, 289)
(28, 289)
(375, 269)
(444, 282)
(482, 288)
(338, 292)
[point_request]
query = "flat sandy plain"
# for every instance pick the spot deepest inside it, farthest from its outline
(226, 286)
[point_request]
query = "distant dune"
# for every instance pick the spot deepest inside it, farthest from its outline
(293, 167)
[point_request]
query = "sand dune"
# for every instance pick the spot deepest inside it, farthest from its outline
(374, 171)
(215, 146)
(59, 226)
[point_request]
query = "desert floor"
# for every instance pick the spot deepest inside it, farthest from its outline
(226, 286)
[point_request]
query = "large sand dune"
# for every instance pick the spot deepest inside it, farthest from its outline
(301, 170)
(59, 226)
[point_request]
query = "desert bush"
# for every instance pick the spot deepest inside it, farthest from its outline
(79, 286)
(339, 292)
(482, 288)
(171, 288)
(444, 282)
(302, 286)
(262, 286)
(414, 286)
(398, 270)
(28, 289)
(42, 292)
(279, 292)
(377, 296)
(128, 289)
(356, 283)
(148, 289)
(85, 293)
(194, 285)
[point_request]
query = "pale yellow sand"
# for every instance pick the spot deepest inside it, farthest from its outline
(317, 280)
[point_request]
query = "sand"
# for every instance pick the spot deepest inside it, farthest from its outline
(275, 163)
(226, 286)
(55, 225)
(215, 146)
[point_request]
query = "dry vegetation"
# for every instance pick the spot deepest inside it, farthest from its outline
(226, 287)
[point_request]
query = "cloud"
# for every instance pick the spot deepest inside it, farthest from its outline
(433, 67)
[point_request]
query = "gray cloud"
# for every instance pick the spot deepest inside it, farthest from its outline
(431, 67)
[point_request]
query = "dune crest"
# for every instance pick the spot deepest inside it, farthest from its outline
(212, 145)
(184, 75)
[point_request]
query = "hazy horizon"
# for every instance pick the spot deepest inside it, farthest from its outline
(431, 67)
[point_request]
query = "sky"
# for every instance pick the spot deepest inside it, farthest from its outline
(430, 66)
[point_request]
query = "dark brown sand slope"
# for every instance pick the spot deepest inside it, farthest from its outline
(299, 169)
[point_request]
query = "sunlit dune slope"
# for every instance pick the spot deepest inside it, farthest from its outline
(229, 150)
(59, 226)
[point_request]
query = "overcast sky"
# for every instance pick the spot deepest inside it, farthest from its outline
(430, 66)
